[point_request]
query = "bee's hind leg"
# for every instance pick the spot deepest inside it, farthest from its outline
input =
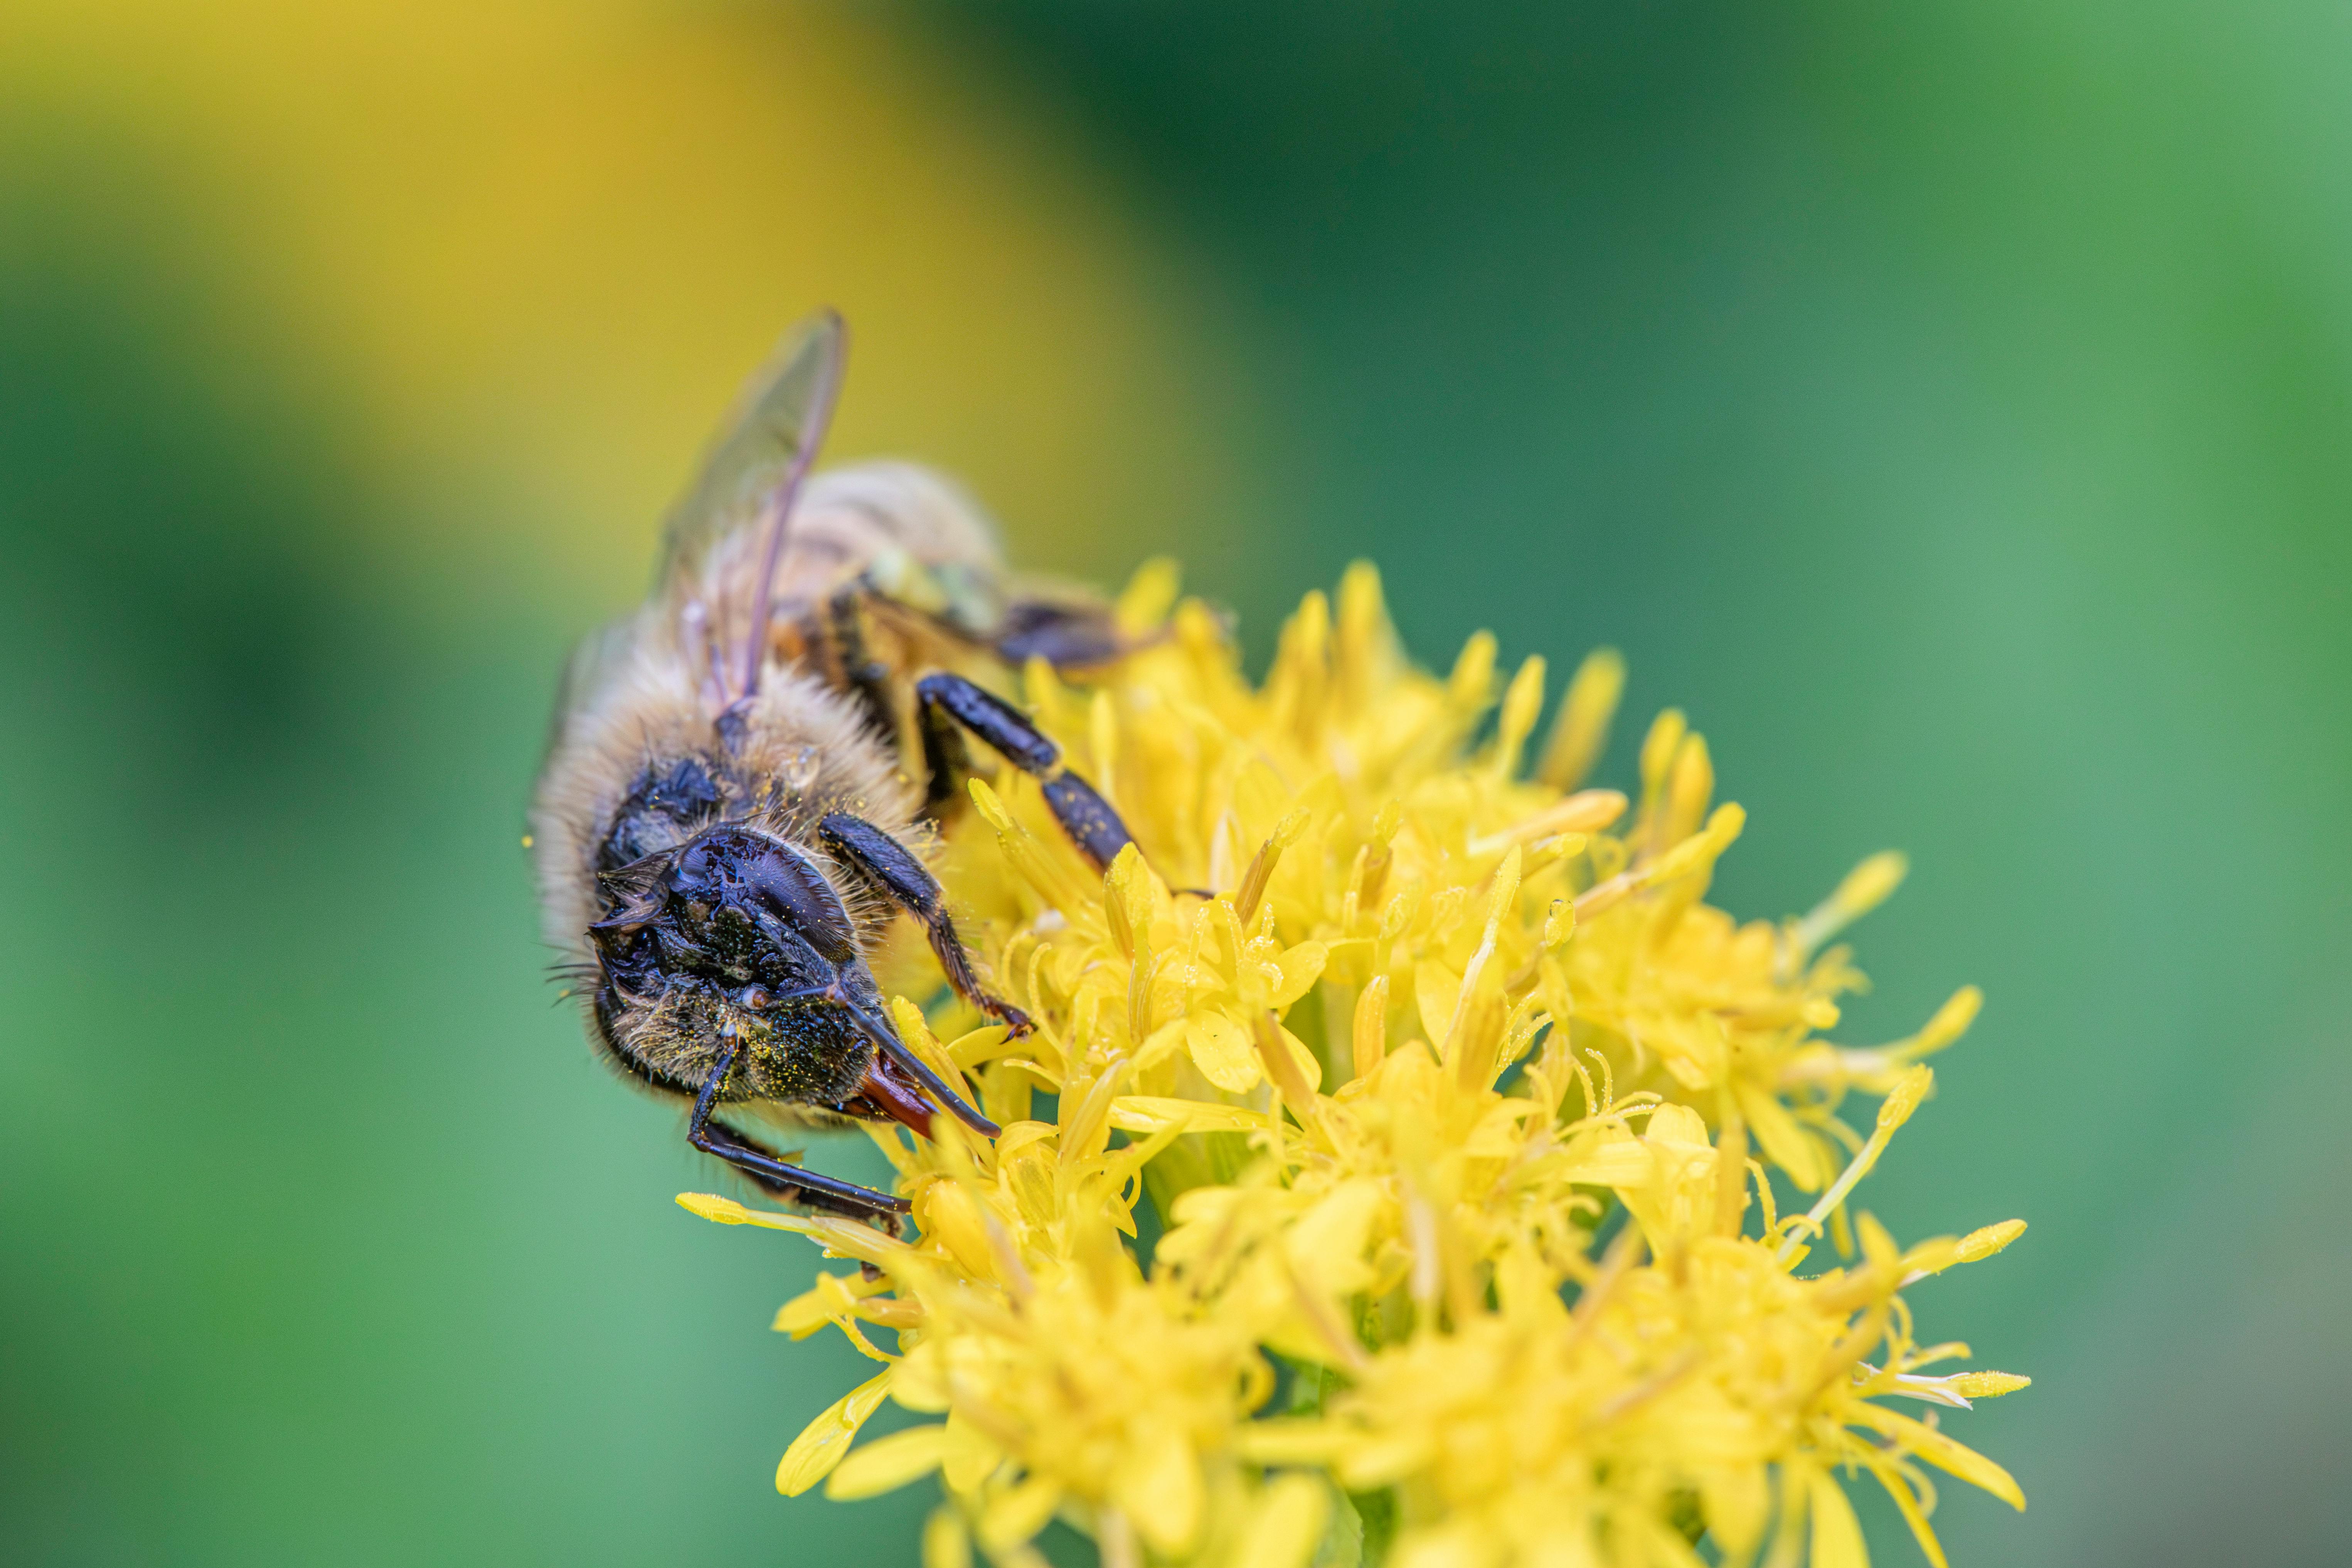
(1067, 637)
(866, 680)
(779, 1178)
(891, 869)
(949, 702)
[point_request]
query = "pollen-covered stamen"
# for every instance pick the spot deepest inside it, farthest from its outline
(1893, 1112)
(1588, 811)
(1932, 1258)
(1875, 1066)
(1954, 1389)
(1865, 888)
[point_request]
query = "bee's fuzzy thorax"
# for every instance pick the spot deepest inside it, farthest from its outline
(799, 733)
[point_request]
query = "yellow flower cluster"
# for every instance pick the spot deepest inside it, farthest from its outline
(1457, 1109)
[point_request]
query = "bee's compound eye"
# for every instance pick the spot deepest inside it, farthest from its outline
(753, 999)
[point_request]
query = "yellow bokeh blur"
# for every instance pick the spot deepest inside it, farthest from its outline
(535, 249)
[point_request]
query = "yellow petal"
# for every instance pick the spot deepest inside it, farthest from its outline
(1369, 1464)
(1301, 966)
(1159, 1484)
(1913, 1514)
(839, 1237)
(1837, 1534)
(1285, 1441)
(1327, 1242)
(1871, 883)
(1447, 1546)
(1148, 595)
(1950, 1022)
(1436, 992)
(1738, 1500)
(1618, 1161)
(1689, 786)
(1580, 733)
(1944, 1453)
(1522, 706)
(968, 1456)
(1286, 1526)
(1865, 888)
(916, 1035)
(1786, 1142)
(1658, 749)
(1369, 1034)
(1162, 1043)
(1679, 1126)
(1701, 849)
(825, 1440)
(921, 1384)
(889, 1463)
(981, 1045)
(945, 1544)
(1471, 684)
(1155, 1113)
(1296, 1072)
(1223, 1052)
(1014, 1516)
(950, 1216)
(803, 1315)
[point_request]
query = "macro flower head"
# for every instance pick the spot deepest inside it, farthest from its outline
(1390, 1175)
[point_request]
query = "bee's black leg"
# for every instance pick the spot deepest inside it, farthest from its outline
(788, 1182)
(866, 681)
(1067, 637)
(892, 870)
(947, 760)
(1084, 815)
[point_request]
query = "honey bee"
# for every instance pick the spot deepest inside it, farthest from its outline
(745, 774)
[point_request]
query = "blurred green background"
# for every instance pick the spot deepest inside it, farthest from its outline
(1946, 405)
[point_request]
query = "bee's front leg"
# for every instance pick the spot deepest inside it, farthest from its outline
(785, 1181)
(948, 703)
(890, 869)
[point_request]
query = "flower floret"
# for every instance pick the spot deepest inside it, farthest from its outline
(1459, 1121)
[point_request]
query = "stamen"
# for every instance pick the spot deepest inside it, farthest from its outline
(1893, 1113)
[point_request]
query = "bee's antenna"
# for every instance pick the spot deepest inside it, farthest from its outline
(836, 346)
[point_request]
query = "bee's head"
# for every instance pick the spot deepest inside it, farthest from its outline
(737, 936)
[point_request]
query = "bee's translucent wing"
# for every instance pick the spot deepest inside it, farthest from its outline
(773, 434)
(755, 470)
